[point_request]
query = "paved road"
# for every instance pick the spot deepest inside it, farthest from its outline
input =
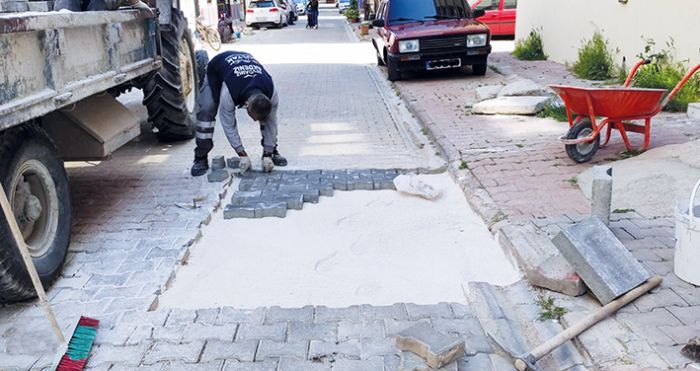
(129, 237)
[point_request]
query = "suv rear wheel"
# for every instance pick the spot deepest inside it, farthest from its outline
(392, 70)
(479, 69)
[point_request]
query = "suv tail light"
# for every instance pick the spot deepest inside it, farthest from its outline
(274, 10)
(249, 11)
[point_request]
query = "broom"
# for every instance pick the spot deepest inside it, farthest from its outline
(78, 347)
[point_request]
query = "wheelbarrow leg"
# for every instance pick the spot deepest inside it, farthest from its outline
(623, 133)
(608, 133)
(647, 133)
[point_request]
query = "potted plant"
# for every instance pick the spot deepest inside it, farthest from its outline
(353, 14)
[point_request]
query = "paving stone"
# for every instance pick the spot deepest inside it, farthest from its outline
(206, 316)
(233, 315)
(164, 351)
(461, 310)
(440, 310)
(325, 314)
(469, 329)
(292, 188)
(673, 356)
(276, 332)
(511, 106)
(647, 324)
(659, 299)
(245, 197)
(294, 201)
(233, 163)
(479, 362)
(171, 334)
(360, 330)
(320, 350)
(327, 331)
(436, 348)
(292, 364)
(394, 327)
(604, 263)
(342, 364)
(17, 361)
(303, 315)
(218, 163)
(217, 176)
(326, 190)
(266, 365)
(232, 211)
(197, 331)
(311, 195)
(372, 312)
(681, 334)
(243, 351)
(412, 362)
(273, 349)
(177, 366)
(374, 347)
(487, 92)
(360, 184)
(265, 210)
(687, 315)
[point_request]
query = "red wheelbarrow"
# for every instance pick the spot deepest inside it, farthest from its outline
(616, 107)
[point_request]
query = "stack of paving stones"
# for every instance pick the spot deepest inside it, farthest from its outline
(263, 195)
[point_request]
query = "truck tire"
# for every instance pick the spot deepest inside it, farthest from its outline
(171, 94)
(36, 184)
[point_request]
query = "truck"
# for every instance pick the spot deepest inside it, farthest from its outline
(60, 73)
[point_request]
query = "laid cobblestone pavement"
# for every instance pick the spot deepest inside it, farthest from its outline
(514, 170)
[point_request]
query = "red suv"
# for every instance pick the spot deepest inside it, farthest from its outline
(417, 35)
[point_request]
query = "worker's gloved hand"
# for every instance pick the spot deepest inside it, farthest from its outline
(245, 164)
(267, 164)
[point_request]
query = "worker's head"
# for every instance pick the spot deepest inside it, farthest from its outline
(258, 106)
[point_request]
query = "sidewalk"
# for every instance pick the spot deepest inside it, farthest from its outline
(514, 171)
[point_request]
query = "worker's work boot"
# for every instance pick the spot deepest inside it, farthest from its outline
(200, 166)
(246, 164)
(267, 164)
(278, 159)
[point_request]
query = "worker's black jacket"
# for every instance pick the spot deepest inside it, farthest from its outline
(242, 74)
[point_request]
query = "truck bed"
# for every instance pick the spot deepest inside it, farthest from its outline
(54, 59)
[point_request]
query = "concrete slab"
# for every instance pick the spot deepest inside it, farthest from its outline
(694, 111)
(436, 348)
(487, 92)
(522, 88)
(511, 106)
(603, 262)
(359, 247)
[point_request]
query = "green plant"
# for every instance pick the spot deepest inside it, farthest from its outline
(622, 211)
(665, 72)
(549, 310)
(595, 59)
(463, 165)
(352, 14)
(557, 112)
(531, 48)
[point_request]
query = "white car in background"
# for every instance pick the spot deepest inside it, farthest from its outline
(266, 13)
(343, 5)
(301, 7)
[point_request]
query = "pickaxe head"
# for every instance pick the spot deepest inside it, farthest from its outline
(522, 362)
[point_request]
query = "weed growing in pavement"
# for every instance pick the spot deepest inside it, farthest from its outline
(463, 165)
(665, 72)
(595, 59)
(622, 211)
(573, 181)
(424, 131)
(531, 48)
(549, 310)
(630, 154)
(554, 112)
(519, 145)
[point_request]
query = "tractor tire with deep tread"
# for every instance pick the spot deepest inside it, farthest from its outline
(29, 159)
(582, 152)
(170, 95)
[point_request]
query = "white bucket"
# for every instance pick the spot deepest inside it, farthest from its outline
(686, 261)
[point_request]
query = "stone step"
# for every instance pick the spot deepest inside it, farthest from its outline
(510, 314)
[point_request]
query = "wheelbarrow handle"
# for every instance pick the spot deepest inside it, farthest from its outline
(634, 70)
(680, 85)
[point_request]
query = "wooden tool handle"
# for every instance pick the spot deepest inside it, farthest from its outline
(22, 246)
(594, 318)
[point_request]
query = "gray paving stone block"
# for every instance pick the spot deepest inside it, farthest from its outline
(394, 327)
(461, 310)
(218, 163)
(109, 354)
(206, 316)
(276, 332)
(374, 347)
(233, 162)
(383, 184)
(511, 106)
(687, 315)
(233, 211)
(658, 299)
(245, 185)
(604, 263)
(292, 364)
(437, 349)
(294, 201)
(164, 351)
(327, 331)
(292, 188)
(440, 310)
(265, 210)
(274, 349)
(311, 195)
(360, 330)
(479, 362)
(325, 314)
(233, 315)
(326, 189)
(322, 350)
(360, 185)
(373, 312)
(469, 329)
(17, 361)
(245, 197)
(411, 362)
(340, 184)
(243, 351)
(267, 365)
(217, 176)
(179, 317)
(171, 334)
(374, 364)
(681, 334)
(299, 315)
(198, 331)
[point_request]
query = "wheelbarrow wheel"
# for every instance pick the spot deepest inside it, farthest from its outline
(582, 152)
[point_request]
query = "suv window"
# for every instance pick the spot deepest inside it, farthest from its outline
(262, 4)
(424, 10)
(510, 4)
(488, 5)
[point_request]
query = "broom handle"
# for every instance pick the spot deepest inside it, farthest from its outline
(22, 246)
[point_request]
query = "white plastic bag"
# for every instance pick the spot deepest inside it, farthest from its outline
(410, 184)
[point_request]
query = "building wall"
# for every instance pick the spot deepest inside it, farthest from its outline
(565, 23)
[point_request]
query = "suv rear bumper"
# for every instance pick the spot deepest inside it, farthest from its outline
(419, 61)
